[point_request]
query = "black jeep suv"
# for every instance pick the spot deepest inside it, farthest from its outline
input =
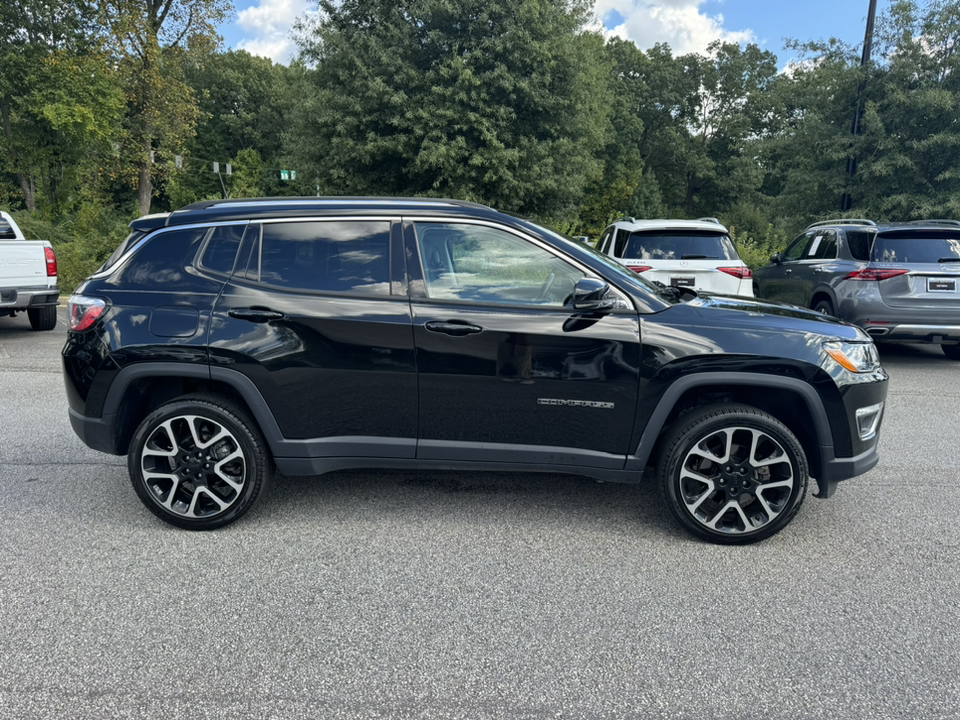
(312, 334)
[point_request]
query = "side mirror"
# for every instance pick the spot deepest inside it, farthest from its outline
(590, 294)
(776, 258)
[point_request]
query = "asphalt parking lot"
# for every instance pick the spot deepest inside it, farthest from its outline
(439, 595)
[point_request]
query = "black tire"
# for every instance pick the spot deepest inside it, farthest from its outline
(198, 485)
(756, 290)
(951, 351)
(709, 476)
(43, 318)
(824, 307)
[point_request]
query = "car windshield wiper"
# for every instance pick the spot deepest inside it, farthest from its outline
(699, 257)
(949, 260)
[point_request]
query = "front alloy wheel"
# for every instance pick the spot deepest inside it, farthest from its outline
(732, 474)
(198, 463)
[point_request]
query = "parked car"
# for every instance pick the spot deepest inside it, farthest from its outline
(898, 281)
(231, 337)
(681, 253)
(28, 276)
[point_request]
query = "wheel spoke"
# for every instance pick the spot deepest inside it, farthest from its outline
(193, 466)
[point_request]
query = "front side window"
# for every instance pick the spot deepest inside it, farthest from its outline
(341, 256)
(796, 249)
(486, 265)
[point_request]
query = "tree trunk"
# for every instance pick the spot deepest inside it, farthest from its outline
(26, 182)
(146, 187)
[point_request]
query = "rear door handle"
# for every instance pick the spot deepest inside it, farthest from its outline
(452, 328)
(257, 315)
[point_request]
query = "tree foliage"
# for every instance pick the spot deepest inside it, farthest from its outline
(502, 101)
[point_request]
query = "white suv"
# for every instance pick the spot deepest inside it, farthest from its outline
(682, 253)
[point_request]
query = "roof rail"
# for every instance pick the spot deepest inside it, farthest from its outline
(709, 220)
(626, 219)
(937, 221)
(842, 221)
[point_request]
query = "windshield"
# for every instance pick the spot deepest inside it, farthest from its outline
(613, 266)
(916, 247)
(679, 245)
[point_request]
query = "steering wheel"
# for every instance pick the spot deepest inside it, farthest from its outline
(545, 288)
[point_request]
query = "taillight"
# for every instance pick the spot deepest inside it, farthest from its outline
(639, 268)
(743, 273)
(51, 262)
(876, 273)
(83, 311)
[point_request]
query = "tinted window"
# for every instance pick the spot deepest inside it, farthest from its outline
(128, 242)
(221, 248)
(604, 244)
(160, 261)
(334, 256)
(622, 237)
(796, 249)
(909, 246)
(823, 247)
(482, 264)
(679, 245)
(859, 244)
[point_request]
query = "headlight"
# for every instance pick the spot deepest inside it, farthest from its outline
(855, 357)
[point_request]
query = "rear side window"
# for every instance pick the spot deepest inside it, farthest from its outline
(220, 252)
(680, 245)
(910, 246)
(327, 256)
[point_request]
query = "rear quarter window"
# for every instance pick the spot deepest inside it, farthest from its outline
(160, 263)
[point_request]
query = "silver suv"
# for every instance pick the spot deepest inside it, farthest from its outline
(898, 281)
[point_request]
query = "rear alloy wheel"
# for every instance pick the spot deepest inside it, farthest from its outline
(824, 307)
(732, 474)
(198, 463)
(43, 318)
(951, 351)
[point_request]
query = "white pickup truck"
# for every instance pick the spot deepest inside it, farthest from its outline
(28, 276)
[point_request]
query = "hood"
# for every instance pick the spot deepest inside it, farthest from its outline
(742, 311)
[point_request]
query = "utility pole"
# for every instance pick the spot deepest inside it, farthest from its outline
(846, 202)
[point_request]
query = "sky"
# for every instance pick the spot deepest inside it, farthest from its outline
(262, 27)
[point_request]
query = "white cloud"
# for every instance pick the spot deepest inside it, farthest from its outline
(268, 26)
(679, 23)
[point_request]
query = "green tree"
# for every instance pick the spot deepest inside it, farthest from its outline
(152, 40)
(243, 102)
(501, 101)
(59, 103)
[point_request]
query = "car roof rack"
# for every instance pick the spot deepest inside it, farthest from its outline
(842, 221)
(935, 221)
(626, 219)
(709, 220)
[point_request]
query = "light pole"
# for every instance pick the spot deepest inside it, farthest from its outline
(846, 202)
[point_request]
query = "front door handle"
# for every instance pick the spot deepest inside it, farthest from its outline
(257, 315)
(452, 328)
